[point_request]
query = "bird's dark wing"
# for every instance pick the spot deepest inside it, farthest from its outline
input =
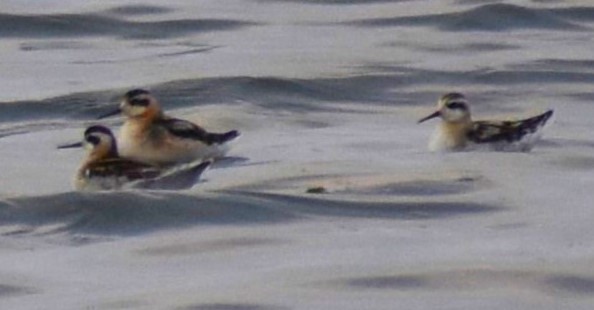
(178, 179)
(188, 130)
(121, 167)
(508, 131)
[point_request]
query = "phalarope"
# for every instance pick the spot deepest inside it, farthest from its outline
(150, 136)
(104, 169)
(458, 131)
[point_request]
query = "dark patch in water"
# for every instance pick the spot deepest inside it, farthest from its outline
(581, 96)
(122, 304)
(210, 246)
(336, 2)
(478, 1)
(418, 188)
(547, 1)
(510, 226)
(452, 280)
(577, 163)
(52, 45)
(132, 10)
(232, 306)
(564, 143)
(576, 13)
(578, 285)
(490, 17)
(81, 25)
(11, 290)
(456, 48)
(486, 279)
(176, 28)
(388, 282)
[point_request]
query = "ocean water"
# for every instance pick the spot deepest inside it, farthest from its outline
(326, 94)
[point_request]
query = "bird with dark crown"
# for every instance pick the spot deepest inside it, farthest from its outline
(150, 136)
(457, 130)
(104, 169)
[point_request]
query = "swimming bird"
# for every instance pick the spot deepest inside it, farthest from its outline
(104, 169)
(150, 136)
(457, 131)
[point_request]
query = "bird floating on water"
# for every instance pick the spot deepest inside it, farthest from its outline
(150, 136)
(104, 169)
(457, 131)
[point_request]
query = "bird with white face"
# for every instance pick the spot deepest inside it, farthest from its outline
(104, 169)
(457, 131)
(150, 136)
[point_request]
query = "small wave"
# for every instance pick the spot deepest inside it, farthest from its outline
(122, 213)
(53, 45)
(484, 76)
(74, 106)
(336, 2)
(404, 210)
(133, 10)
(477, 279)
(269, 92)
(571, 284)
(7, 290)
(578, 14)
(130, 213)
(471, 2)
(83, 25)
(306, 94)
(511, 77)
(417, 188)
(204, 49)
(497, 17)
(231, 306)
(556, 64)
(489, 17)
(457, 48)
(375, 84)
(296, 95)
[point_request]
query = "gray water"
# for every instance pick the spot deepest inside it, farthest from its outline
(326, 93)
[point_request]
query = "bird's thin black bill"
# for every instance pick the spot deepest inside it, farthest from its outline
(434, 115)
(70, 146)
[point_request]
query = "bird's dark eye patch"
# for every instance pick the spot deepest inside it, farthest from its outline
(139, 102)
(456, 105)
(94, 140)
